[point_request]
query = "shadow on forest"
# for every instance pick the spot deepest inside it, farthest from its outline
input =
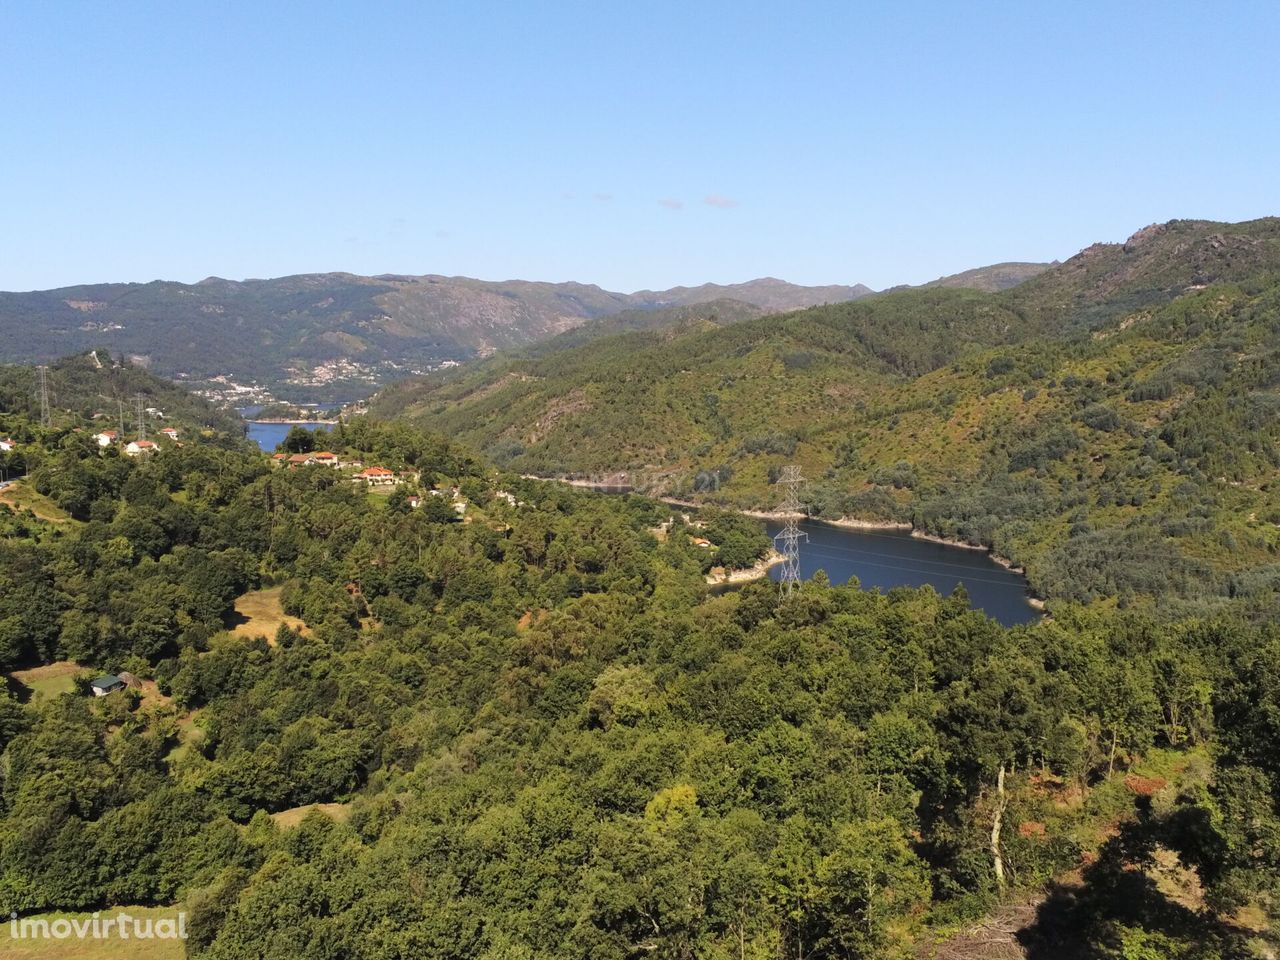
(1118, 896)
(17, 689)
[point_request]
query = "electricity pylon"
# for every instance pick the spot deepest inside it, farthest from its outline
(789, 537)
(46, 416)
(142, 420)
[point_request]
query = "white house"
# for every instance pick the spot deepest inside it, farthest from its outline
(170, 432)
(106, 438)
(7, 444)
(377, 477)
(138, 447)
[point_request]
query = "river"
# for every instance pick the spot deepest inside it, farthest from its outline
(894, 558)
(270, 434)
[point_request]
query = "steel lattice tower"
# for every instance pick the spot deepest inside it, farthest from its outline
(142, 419)
(46, 415)
(789, 537)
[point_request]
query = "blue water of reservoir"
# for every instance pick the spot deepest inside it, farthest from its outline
(270, 435)
(894, 558)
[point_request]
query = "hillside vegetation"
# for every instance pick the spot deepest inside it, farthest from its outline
(535, 733)
(1110, 424)
(94, 388)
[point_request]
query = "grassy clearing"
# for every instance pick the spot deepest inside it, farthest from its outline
(190, 735)
(114, 948)
(21, 497)
(49, 680)
(259, 614)
(287, 819)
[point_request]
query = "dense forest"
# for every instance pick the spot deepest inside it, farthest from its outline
(533, 731)
(1110, 425)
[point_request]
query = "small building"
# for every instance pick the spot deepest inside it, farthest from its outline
(415, 501)
(300, 460)
(377, 477)
(170, 432)
(106, 438)
(137, 448)
(7, 444)
(278, 459)
(108, 683)
(324, 458)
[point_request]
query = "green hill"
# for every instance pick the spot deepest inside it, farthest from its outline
(96, 388)
(1114, 414)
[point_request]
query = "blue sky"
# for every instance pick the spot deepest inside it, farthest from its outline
(630, 145)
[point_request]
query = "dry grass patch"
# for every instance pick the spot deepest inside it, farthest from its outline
(287, 819)
(50, 679)
(259, 614)
(21, 497)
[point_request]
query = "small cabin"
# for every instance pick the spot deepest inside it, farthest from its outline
(109, 683)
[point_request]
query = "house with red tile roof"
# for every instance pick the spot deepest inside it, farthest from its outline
(377, 477)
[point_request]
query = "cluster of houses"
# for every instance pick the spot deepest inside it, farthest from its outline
(135, 448)
(373, 476)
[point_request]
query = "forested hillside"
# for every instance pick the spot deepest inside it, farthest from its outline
(535, 733)
(95, 389)
(1110, 424)
(335, 336)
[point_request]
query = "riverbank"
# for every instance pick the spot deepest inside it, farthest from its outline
(757, 571)
(965, 545)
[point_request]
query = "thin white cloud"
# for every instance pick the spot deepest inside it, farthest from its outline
(717, 200)
(671, 203)
(603, 197)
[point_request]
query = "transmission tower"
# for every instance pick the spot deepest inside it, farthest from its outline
(46, 417)
(789, 537)
(142, 419)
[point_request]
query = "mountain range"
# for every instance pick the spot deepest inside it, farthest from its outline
(335, 336)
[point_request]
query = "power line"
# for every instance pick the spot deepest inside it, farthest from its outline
(928, 573)
(788, 539)
(46, 415)
(819, 545)
(142, 420)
